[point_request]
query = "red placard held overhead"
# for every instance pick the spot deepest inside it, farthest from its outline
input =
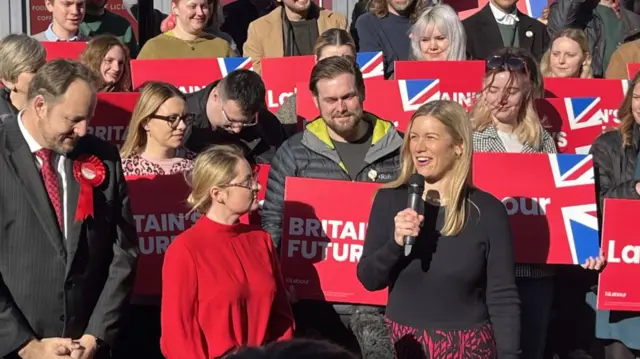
(189, 75)
(460, 81)
(112, 116)
(391, 100)
(618, 289)
(610, 92)
(551, 201)
(574, 122)
(63, 50)
(159, 219)
(282, 74)
(467, 8)
(322, 239)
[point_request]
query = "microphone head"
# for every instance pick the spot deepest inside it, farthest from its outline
(416, 179)
(416, 182)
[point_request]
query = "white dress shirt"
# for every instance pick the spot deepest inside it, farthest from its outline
(502, 17)
(35, 146)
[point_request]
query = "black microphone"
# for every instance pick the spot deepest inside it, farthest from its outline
(414, 201)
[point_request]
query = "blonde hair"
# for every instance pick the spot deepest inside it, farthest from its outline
(20, 53)
(153, 95)
(446, 20)
(456, 120)
(215, 167)
(578, 36)
(529, 126)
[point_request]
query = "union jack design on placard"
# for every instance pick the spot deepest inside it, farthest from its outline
(415, 93)
(580, 220)
(625, 87)
(571, 170)
(230, 64)
(583, 112)
(535, 7)
(581, 225)
(371, 64)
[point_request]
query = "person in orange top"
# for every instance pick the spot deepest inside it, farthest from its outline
(221, 283)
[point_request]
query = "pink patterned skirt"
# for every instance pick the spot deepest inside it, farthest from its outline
(412, 343)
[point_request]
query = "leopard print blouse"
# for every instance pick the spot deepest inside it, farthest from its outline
(138, 166)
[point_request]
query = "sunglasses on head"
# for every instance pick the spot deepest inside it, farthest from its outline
(507, 62)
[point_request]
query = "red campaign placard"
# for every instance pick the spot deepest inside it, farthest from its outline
(574, 122)
(632, 69)
(281, 81)
(112, 116)
(392, 100)
(322, 239)
(158, 219)
(460, 81)
(551, 202)
(617, 288)
(40, 18)
(64, 50)
(610, 92)
(263, 176)
(193, 74)
(467, 8)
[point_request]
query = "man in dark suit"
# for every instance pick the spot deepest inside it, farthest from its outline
(499, 24)
(64, 280)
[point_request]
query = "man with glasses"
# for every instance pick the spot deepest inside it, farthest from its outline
(233, 111)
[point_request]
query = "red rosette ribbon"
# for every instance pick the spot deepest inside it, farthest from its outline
(90, 173)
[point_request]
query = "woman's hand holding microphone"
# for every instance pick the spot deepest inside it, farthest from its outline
(407, 224)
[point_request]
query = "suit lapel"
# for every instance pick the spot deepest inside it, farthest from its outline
(74, 228)
(490, 31)
(524, 26)
(23, 163)
(276, 34)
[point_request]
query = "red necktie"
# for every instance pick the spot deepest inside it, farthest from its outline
(50, 179)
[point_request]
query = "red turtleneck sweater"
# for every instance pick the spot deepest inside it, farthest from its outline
(222, 289)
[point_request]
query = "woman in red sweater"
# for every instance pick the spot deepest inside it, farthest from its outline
(222, 287)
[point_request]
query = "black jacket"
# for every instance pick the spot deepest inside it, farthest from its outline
(615, 166)
(6, 107)
(483, 35)
(258, 142)
(581, 14)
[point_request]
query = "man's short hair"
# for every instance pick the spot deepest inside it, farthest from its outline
(332, 67)
(245, 87)
(20, 53)
(54, 78)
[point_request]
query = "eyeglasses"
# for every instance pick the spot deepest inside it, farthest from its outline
(174, 120)
(230, 123)
(509, 63)
(249, 184)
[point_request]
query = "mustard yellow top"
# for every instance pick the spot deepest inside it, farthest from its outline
(167, 46)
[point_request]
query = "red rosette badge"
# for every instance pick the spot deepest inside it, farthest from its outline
(90, 173)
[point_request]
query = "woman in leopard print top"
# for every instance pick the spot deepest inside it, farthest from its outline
(154, 143)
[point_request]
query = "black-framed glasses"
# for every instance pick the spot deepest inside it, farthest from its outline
(230, 123)
(509, 63)
(174, 120)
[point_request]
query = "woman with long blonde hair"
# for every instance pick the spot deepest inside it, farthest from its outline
(568, 56)
(154, 142)
(504, 120)
(453, 292)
